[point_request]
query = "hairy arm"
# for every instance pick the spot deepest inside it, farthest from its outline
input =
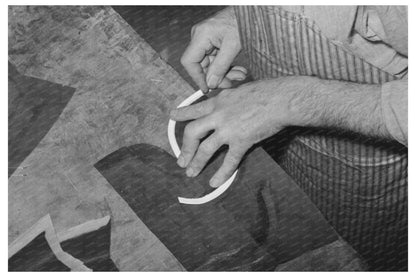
(335, 104)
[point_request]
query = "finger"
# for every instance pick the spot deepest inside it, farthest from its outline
(205, 62)
(208, 60)
(211, 58)
(232, 75)
(205, 151)
(225, 83)
(230, 164)
(194, 131)
(235, 75)
(222, 62)
(212, 53)
(191, 59)
(240, 68)
(193, 112)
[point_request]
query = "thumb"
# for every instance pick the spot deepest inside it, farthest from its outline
(222, 62)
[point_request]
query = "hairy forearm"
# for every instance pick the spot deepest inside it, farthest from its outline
(315, 102)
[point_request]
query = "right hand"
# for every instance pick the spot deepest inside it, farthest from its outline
(215, 43)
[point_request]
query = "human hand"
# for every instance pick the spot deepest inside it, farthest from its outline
(239, 117)
(215, 43)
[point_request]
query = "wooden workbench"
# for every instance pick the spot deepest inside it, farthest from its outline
(124, 92)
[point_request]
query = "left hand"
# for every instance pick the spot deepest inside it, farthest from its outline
(215, 42)
(239, 117)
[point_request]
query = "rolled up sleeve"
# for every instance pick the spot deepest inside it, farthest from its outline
(394, 107)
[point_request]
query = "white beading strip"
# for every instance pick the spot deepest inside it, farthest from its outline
(175, 148)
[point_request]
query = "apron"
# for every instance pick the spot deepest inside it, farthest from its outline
(358, 183)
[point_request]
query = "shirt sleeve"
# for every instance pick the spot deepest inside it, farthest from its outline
(394, 107)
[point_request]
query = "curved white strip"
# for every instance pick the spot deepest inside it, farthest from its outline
(175, 148)
(171, 125)
(210, 196)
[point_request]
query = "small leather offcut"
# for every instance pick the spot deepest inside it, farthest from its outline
(263, 220)
(36, 256)
(92, 248)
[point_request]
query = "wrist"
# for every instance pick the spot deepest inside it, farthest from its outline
(295, 94)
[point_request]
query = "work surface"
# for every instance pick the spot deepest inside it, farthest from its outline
(123, 94)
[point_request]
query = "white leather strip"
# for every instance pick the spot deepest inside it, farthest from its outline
(175, 148)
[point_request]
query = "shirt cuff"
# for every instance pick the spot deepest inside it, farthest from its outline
(394, 108)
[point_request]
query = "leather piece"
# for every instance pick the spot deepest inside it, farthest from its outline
(34, 106)
(92, 248)
(36, 256)
(262, 220)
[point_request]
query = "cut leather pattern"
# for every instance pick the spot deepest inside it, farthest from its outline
(34, 106)
(262, 220)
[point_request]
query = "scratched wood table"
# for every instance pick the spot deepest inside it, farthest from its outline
(124, 92)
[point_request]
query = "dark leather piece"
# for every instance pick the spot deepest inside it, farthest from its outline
(36, 256)
(34, 106)
(262, 220)
(93, 249)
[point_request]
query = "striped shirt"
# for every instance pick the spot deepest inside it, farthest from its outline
(357, 44)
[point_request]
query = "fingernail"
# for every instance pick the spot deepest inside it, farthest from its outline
(213, 182)
(181, 161)
(213, 81)
(190, 172)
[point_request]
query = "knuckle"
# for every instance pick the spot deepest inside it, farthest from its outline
(184, 60)
(200, 27)
(206, 148)
(235, 45)
(223, 129)
(185, 151)
(222, 135)
(189, 130)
